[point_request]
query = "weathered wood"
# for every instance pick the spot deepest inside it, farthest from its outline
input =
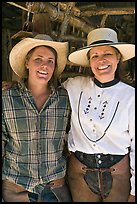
(73, 25)
(67, 17)
(18, 6)
(80, 25)
(77, 22)
(73, 38)
(73, 21)
(108, 11)
(22, 34)
(63, 7)
(41, 23)
(6, 47)
(104, 18)
(87, 11)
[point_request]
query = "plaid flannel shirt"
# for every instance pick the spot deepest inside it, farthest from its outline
(33, 141)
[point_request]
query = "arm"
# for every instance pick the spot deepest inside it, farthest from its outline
(8, 84)
(132, 150)
(131, 198)
(4, 136)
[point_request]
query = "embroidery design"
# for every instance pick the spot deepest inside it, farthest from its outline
(88, 106)
(104, 130)
(105, 103)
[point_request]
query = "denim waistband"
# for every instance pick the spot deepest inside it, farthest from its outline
(98, 160)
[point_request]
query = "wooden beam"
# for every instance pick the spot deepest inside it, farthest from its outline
(104, 18)
(18, 6)
(73, 21)
(63, 7)
(67, 17)
(108, 11)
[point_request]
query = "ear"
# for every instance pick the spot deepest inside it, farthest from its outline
(26, 64)
(119, 56)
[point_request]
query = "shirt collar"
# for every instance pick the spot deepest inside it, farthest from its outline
(106, 84)
(23, 86)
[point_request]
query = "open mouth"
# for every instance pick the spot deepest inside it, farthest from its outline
(42, 72)
(103, 67)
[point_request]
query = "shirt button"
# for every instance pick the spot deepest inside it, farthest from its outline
(99, 161)
(98, 156)
(94, 145)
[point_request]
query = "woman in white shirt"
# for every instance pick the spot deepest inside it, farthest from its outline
(102, 135)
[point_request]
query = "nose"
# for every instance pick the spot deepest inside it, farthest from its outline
(102, 57)
(44, 65)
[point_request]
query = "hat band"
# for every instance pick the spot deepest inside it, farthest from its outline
(101, 41)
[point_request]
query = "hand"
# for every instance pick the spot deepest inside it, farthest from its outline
(7, 84)
(131, 198)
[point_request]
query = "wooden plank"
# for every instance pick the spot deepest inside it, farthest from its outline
(108, 11)
(67, 17)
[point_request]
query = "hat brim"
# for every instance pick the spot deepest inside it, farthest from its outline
(18, 54)
(80, 57)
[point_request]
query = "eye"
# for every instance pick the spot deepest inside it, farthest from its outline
(50, 61)
(107, 54)
(38, 60)
(94, 56)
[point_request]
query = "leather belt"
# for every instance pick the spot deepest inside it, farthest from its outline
(98, 161)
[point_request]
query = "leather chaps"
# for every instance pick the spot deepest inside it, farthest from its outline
(92, 184)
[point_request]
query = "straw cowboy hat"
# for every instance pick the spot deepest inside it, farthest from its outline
(98, 37)
(19, 51)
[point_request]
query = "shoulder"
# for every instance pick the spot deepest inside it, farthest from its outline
(126, 93)
(127, 88)
(62, 91)
(9, 88)
(6, 85)
(76, 81)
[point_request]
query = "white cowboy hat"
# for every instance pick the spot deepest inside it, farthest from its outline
(98, 37)
(19, 51)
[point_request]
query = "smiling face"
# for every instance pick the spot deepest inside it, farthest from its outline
(41, 63)
(103, 62)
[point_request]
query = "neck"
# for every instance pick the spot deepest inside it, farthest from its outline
(105, 79)
(40, 93)
(38, 89)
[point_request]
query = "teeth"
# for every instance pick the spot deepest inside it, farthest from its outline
(42, 72)
(103, 67)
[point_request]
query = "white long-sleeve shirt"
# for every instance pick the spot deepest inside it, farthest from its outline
(103, 118)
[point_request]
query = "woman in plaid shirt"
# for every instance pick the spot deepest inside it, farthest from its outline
(35, 117)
